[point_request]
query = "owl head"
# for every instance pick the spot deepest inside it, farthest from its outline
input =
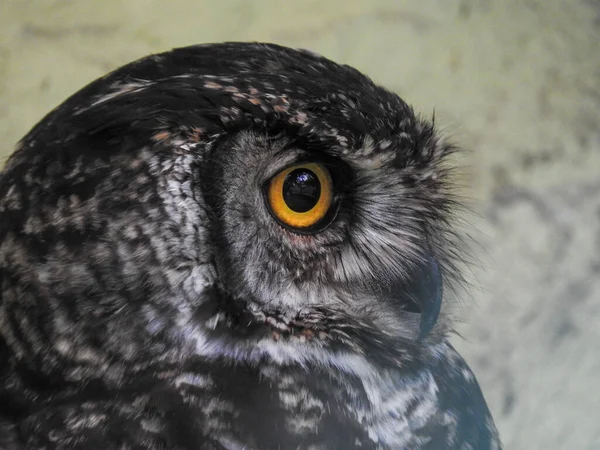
(225, 194)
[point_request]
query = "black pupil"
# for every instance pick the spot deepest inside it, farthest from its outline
(301, 190)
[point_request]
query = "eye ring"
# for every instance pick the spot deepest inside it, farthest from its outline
(301, 195)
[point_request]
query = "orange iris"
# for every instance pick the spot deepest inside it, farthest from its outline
(301, 195)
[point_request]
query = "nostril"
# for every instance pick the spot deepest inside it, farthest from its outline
(412, 306)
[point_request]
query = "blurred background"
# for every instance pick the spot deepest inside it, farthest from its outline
(515, 82)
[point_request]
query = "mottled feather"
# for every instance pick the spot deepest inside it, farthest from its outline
(150, 301)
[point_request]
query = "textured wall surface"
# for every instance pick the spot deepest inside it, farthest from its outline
(516, 82)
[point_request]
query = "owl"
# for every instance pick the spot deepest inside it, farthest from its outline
(232, 246)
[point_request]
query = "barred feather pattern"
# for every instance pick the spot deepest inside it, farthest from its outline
(150, 301)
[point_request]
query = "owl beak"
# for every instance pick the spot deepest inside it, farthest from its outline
(430, 289)
(424, 294)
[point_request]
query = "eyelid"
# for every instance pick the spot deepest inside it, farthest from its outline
(283, 160)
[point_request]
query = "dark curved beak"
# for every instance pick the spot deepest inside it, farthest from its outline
(430, 291)
(423, 294)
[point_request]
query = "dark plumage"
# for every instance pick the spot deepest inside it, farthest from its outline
(149, 300)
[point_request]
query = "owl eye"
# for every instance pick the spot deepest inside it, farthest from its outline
(301, 196)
